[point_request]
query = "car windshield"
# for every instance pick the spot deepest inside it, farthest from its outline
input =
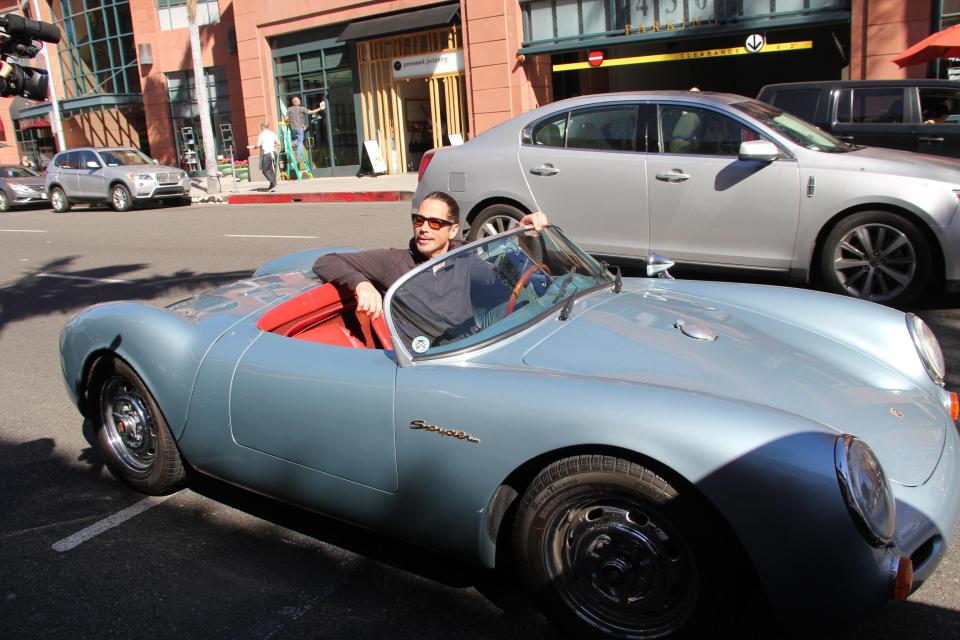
(124, 157)
(488, 289)
(18, 172)
(792, 127)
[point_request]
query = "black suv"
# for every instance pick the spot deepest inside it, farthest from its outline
(914, 115)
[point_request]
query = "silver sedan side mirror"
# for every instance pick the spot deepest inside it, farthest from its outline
(658, 265)
(761, 150)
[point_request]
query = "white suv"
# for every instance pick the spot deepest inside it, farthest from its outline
(121, 176)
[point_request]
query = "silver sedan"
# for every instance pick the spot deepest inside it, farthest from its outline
(716, 181)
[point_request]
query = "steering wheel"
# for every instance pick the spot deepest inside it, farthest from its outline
(521, 283)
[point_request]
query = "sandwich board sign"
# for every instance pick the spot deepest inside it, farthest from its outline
(377, 162)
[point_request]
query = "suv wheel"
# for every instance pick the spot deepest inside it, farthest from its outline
(59, 200)
(120, 198)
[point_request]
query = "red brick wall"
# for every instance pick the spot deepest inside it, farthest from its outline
(880, 30)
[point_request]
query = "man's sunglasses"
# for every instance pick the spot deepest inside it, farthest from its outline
(435, 223)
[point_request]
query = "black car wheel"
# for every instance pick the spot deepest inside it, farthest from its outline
(58, 200)
(133, 435)
(120, 198)
(613, 550)
(494, 219)
(4, 201)
(877, 256)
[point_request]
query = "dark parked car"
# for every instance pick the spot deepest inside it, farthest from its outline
(19, 186)
(914, 115)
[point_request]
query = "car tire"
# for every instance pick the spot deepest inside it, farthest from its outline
(493, 220)
(120, 198)
(59, 201)
(612, 550)
(132, 434)
(877, 256)
(4, 201)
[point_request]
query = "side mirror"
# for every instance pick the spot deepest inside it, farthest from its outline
(93, 164)
(658, 265)
(759, 150)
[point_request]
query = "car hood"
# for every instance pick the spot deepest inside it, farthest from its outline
(903, 163)
(757, 358)
(30, 181)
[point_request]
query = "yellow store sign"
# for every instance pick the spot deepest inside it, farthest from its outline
(688, 55)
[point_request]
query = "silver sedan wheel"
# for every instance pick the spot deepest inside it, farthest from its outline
(130, 429)
(496, 224)
(875, 262)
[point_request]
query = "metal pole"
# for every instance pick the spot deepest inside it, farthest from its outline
(233, 168)
(54, 104)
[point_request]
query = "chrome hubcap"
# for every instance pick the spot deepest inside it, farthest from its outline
(57, 199)
(497, 224)
(119, 197)
(130, 429)
(621, 570)
(875, 262)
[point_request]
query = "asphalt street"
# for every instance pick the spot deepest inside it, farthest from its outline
(211, 560)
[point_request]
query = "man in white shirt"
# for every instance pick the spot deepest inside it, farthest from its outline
(268, 145)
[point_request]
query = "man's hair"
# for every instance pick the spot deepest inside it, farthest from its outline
(264, 125)
(295, 98)
(452, 205)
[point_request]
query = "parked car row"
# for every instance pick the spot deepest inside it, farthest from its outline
(714, 181)
(122, 177)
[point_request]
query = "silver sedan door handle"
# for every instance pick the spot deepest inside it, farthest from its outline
(673, 176)
(544, 170)
(929, 139)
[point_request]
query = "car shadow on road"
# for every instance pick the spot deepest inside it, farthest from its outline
(56, 287)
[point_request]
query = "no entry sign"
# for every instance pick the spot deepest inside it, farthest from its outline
(595, 58)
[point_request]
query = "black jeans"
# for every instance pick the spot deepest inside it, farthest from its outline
(268, 167)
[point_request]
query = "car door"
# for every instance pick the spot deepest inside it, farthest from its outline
(707, 206)
(90, 179)
(319, 406)
(66, 165)
(586, 170)
(939, 130)
(875, 117)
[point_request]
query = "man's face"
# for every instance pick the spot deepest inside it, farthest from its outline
(434, 242)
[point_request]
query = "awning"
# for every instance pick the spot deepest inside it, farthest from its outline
(17, 104)
(33, 110)
(401, 22)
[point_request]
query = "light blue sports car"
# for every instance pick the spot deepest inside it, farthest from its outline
(645, 452)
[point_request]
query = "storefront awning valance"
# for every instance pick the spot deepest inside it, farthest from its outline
(31, 110)
(406, 22)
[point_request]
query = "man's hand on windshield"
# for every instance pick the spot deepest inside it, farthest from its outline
(369, 300)
(538, 219)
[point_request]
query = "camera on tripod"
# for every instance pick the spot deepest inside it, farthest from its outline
(17, 41)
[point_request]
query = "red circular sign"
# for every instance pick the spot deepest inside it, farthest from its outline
(595, 58)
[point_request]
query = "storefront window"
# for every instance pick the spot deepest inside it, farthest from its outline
(186, 115)
(173, 13)
(35, 141)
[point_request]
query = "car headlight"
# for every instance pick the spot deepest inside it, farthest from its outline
(19, 188)
(927, 348)
(148, 177)
(866, 490)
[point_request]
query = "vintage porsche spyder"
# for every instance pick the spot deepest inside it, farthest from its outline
(647, 449)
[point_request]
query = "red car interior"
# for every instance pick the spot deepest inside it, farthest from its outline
(321, 315)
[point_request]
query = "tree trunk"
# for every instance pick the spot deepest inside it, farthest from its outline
(203, 101)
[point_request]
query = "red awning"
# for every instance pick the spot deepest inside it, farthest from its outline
(942, 44)
(34, 123)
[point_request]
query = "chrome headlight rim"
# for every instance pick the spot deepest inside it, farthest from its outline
(928, 348)
(878, 531)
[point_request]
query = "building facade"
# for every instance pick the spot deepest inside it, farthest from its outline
(399, 77)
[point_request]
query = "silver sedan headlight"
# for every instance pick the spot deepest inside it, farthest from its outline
(866, 490)
(927, 348)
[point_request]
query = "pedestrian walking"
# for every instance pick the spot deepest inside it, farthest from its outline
(268, 145)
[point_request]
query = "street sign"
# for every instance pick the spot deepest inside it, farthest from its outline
(595, 58)
(755, 42)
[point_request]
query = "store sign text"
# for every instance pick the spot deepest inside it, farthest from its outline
(427, 65)
(668, 26)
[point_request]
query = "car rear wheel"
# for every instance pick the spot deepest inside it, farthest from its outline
(120, 198)
(611, 549)
(494, 219)
(133, 435)
(4, 201)
(58, 200)
(877, 256)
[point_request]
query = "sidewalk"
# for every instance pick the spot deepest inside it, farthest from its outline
(385, 188)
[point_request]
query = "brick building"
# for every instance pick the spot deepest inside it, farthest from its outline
(414, 74)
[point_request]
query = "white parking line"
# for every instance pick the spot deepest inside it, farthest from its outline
(84, 278)
(231, 235)
(108, 523)
(24, 230)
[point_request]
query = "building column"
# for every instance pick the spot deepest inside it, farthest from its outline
(880, 30)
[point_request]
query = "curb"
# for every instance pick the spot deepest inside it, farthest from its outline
(322, 197)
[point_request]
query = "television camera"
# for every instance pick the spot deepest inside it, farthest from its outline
(18, 36)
